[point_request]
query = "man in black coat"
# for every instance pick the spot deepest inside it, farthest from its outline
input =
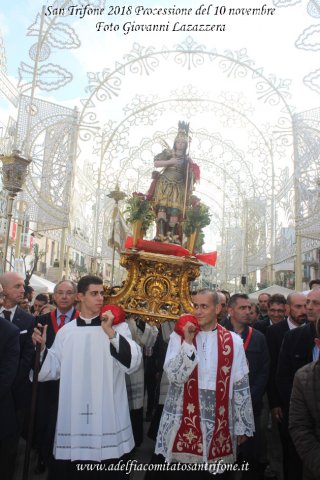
(304, 418)
(297, 350)
(13, 289)
(277, 309)
(297, 316)
(48, 392)
(9, 362)
(256, 350)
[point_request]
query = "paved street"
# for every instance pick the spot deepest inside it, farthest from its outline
(141, 454)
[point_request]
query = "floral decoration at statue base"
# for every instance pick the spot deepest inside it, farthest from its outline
(140, 214)
(197, 217)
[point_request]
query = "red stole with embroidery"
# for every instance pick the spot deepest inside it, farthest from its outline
(53, 316)
(189, 438)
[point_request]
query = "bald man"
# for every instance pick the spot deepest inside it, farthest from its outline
(9, 362)
(297, 316)
(298, 349)
(13, 290)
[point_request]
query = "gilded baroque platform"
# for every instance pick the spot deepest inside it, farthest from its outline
(157, 285)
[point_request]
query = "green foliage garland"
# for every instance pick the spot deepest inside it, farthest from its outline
(139, 208)
(197, 217)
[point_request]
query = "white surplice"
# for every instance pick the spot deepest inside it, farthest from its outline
(93, 416)
(180, 361)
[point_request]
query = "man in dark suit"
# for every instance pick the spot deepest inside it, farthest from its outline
(48, 392)
(296, 317)
(13, 289)
(276, 309)
(9, 362)
(297, 350)
(276, 312)
(304, 418)
(257, 355)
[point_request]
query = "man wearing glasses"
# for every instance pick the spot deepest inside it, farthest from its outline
(276, 313)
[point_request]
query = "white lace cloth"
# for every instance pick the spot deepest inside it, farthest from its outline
(180, 361)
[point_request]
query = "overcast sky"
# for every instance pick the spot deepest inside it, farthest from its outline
(269, 39)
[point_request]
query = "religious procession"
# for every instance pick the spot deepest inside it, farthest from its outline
(159, 245)
(206, 376)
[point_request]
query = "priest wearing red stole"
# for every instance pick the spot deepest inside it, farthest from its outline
(208, 410)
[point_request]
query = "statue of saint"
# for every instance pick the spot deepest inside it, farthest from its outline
(173, 187)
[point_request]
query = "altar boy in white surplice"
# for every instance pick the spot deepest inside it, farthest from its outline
(90, 355)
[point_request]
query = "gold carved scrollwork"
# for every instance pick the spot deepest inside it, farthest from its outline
(156, 287)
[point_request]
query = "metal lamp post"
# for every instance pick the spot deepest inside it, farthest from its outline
(117, 196)
(14, 172)
(21, 208)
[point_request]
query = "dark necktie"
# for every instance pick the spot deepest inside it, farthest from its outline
(7, 314)
(62, 320)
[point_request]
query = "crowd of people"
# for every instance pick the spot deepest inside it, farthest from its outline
(221, 384)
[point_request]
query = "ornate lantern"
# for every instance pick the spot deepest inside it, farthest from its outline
(14, 172)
